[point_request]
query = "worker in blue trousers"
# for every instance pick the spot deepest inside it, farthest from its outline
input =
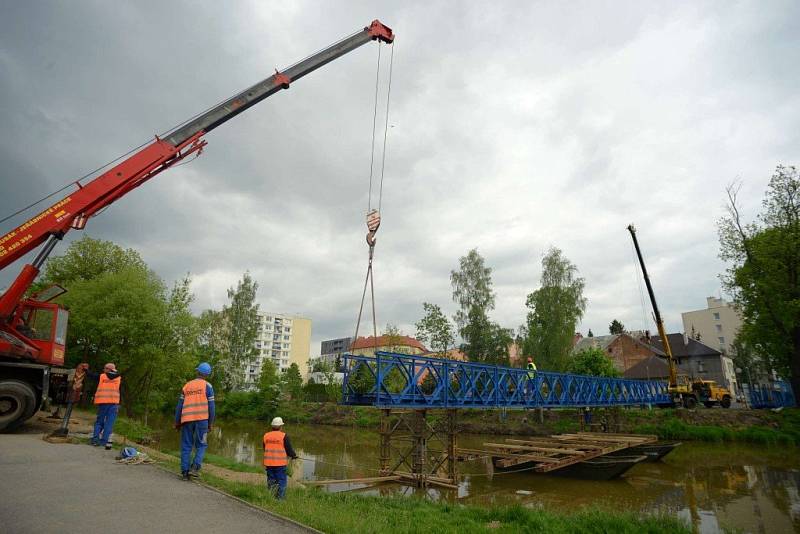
(194, 416)
(107, 400)
(277, 451)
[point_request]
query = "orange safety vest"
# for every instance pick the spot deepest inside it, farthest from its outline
(107, 390)
(195, 402)
(274, 453)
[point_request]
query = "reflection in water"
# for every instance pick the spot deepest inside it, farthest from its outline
(714, 487)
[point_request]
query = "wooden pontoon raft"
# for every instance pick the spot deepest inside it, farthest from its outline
(589, 453)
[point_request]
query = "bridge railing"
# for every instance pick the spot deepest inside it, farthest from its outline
(776, 395)
(401, 380)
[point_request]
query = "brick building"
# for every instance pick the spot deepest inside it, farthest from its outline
(623, 349)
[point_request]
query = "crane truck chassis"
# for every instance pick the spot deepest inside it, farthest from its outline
(33, 330)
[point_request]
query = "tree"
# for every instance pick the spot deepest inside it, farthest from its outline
(121, 311)
(616, 327)
(472, 287)
(435, 330)
(764, 272)
(269, 385)
(752, 366)
(293, 382)
(592, 361)
(213, 344)
(242, 317)
(590, 333)
(472, 291)
(555, 309)
(394, 340)
(486, 341)
(86, 259)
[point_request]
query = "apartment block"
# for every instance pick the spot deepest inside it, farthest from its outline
(283, 339)
(716, 326)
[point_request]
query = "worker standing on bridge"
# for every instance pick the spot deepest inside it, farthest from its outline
(107, 400)
(531, 369)
(194, 415)
(277, 448)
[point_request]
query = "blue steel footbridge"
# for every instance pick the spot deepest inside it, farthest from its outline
(391, 380)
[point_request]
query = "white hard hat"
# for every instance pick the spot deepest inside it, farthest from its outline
(277, 422)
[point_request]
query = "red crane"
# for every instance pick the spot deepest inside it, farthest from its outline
(33, 330)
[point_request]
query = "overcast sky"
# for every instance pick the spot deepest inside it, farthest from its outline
(515, 126)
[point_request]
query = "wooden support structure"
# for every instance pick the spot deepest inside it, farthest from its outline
(427, 450)
(547, 454)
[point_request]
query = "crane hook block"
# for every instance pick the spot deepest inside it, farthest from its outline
(373, 223)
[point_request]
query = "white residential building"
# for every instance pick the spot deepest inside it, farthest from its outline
(284, 339)
(717, 325)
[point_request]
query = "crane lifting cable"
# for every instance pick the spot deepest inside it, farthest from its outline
(373, 218)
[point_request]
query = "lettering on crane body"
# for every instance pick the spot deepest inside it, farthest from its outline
(59, 215)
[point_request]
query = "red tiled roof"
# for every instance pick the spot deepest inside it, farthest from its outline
(387, 341)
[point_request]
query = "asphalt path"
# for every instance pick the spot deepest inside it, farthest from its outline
(47, 487)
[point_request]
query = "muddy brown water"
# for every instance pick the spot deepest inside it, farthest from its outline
(746, 488)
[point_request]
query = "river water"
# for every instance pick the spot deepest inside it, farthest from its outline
(747, 488)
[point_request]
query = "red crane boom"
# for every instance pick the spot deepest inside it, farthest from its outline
(17, 316)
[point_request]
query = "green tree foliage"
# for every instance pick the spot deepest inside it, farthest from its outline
(120, 311)
(213, 345)
(435, 330)
(484, 340)
(269, 385)
(555, 309)
(616, 327)
(764, 272)
(396, 380)
(86, 259)
(242, 322)
(592, 361)
(292, 382)
(394, 340)
(472, 287)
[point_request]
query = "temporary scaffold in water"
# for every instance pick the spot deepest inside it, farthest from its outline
(392, 380)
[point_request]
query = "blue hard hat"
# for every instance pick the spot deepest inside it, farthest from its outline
(204, 369)
(128, 452)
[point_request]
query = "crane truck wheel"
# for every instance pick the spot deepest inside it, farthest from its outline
(689, 402)
(17, 404)
(725, 402)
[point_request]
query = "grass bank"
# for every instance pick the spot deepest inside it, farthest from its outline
(331, 512)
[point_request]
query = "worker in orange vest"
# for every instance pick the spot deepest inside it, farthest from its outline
(194, 416)
(107, 400)
(277, 448)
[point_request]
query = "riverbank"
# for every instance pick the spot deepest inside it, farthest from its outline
(351, 513)
(714, 425)
(343, 512)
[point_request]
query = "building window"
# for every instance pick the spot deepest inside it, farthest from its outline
(719, 328)
(701, 368)
(716, 316)
(721, 340)
(286, 338)
(288, 329)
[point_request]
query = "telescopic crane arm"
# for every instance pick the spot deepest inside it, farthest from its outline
(75, 209)
(673, 375)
